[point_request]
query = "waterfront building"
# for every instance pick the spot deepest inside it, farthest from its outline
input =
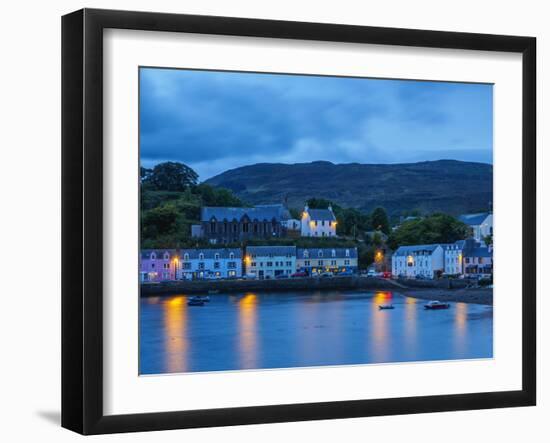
(318, 260)
(478, 262)
(423, 260)
(210, 263)
(318, 222)
(454, 257)
(270, 261)
(221, 225)
(158, 265)
(456, 252)
(481, 224)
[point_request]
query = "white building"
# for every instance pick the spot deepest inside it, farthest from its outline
(424, 260)
(318, 222)
(270, 261)
(318, 260)
(210, 263)
(454, 254)
(481, 224)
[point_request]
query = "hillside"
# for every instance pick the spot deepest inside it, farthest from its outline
(449, 186)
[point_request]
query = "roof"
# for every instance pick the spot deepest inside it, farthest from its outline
(260, 212)
(271, 250)
(211, 253)
(193, 253)
(327, 252)
(146, 253)
(479, 252)
(321, 214)
(469, 243)
(474, 219)
(406, 250)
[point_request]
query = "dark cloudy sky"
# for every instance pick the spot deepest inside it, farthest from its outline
(215, 121)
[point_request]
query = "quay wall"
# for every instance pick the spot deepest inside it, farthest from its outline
(291, 284)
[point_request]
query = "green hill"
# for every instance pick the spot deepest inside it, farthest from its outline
(448, 186)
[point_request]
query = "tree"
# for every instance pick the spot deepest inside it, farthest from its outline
(158, 221)
(379, 220)
(144, 174)
(318, 203)
(169, 176)
(437, 228)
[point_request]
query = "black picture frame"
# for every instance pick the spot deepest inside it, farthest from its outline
(82, 215)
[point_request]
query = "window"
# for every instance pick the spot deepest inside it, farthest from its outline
(269, 264)
(217, 265)
(186, 256)
(153, 256)
(323, 223)
(306, 263)
(201, 265)
(320, 253)
(306, 254)
(231, 255)
(346, 262)
(187, 266)
(289, 263)
(316, 223)
(333, 253)
(320, 263)
(201, 256)
(333, 263)
(152, 265)
(253, 264)
(216, 256)
(347, 252)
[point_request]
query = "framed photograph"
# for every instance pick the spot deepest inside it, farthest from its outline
(268, 221)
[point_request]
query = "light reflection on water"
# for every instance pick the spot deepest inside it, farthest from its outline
(275, 330)
(248, 318)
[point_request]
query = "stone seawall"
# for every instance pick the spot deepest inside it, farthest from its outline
(436, 284)
(294, 284)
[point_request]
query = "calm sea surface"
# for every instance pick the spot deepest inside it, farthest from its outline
(282, 330)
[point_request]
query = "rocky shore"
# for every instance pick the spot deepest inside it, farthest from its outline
(481, 296)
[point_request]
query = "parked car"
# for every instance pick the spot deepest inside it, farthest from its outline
(345, 273)
(326, 274)
(299, 274)
(386, 274)
(372, 273)
(281, 276)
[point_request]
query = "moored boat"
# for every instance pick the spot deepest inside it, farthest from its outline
(386, 307)
(195, 302)
(436, 304)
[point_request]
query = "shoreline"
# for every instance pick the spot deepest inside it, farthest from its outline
(437, 290)
(479, 296)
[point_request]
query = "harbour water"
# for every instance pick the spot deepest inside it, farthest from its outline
(317, 328)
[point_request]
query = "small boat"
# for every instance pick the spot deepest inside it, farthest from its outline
(195, 302)
(386, 307)
(436, 304)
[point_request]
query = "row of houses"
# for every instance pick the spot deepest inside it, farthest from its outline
(468, 258)
(222, 225)
(254, 262)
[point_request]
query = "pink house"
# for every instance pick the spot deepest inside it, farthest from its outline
(158, 265)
